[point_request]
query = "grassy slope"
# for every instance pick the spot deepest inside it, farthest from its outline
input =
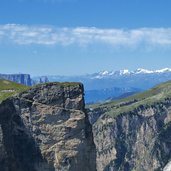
(9, 88)
(154, 95)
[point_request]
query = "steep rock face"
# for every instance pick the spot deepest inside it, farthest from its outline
(139, 140)
(19, 78)
(46, 129)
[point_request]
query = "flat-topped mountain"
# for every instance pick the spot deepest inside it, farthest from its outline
(19, 78)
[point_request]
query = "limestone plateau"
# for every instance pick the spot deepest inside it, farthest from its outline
(47, 128)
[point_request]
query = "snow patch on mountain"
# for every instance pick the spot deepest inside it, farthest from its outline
(163, 70)
(142, 71)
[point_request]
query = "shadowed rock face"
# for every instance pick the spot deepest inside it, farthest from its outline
(46, 129)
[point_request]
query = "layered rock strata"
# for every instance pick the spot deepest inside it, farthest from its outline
(46, 129)
(139, 140)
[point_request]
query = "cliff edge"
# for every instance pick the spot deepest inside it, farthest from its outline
(46, 128)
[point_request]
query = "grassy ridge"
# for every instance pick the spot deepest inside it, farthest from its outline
(9, 88)
(154, 95)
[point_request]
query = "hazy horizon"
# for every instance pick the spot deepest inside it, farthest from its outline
(97, 72)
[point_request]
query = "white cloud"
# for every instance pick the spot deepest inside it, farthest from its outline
(48, 35)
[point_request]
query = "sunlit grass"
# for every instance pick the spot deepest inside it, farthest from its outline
(9, 88)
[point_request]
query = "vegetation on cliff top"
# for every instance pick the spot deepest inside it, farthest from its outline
(61, 84)
(69, 84)
(9, 88)
(147, 98)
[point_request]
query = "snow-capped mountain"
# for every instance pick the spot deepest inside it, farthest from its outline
(103, 74)
(101, 84)
(142, 71)
(126, 72)
(145, 71)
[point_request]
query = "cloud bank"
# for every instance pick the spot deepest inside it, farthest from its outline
(83, 36)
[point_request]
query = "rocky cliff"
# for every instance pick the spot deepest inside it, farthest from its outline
(136, 141)
(134, 134)
(46, 129)
(19, 78)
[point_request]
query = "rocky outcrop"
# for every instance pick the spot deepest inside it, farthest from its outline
(19, 78)
(139, 140)
(46, 129)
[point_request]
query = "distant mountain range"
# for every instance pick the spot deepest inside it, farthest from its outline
(139, 78)
(104, 85)
(112, 84)
(125, 72)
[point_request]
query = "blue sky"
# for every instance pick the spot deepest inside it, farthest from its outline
(72, 37)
